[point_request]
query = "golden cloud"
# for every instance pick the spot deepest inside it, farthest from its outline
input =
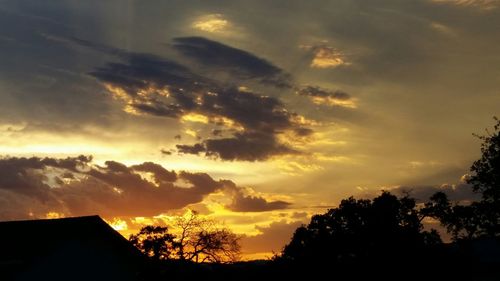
(213, 23)
(326, 56)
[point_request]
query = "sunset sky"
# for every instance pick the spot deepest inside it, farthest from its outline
(255, 113)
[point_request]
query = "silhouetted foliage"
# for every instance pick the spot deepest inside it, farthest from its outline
(196, 240)
(485, 177)
(385, 228)
(481, 218)
(154, 242)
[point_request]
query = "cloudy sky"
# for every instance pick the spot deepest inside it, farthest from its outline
(255, 113)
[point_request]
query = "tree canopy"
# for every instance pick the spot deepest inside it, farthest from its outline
(480, 218)
(361, 230)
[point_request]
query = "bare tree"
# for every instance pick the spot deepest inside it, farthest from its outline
(194, 238)
(203, 240)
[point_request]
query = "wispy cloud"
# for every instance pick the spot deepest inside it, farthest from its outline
(480, 4)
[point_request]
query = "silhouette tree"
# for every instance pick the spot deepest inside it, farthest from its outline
(154, 242)
(481, 218)
(196, 239)
(385, 228)
(203, 240)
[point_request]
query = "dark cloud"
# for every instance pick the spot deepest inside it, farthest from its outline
(248, 203)
(242, 146)
(303, 132)
(314, 91)
(460, 192)
(20, 174)
(165, 151)
(33, 187)
(248, 124)
(219, 57)
(160, 174)
(326, 97)
(243, 203)
(190, 149)
(24, 189)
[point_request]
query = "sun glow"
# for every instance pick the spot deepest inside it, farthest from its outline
(118, 224)
(54, 215)
(213, 23)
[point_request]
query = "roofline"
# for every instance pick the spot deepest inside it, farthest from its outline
(55, 219)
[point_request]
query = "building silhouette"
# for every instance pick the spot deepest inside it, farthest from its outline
(80, 248)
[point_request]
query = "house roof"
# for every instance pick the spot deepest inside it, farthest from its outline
(87, 245)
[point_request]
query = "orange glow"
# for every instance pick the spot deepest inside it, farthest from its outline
(54, 215)
(118, 224)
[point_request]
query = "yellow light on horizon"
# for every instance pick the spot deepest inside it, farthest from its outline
(54, 215)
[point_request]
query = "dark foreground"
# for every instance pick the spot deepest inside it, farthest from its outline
(86, 248)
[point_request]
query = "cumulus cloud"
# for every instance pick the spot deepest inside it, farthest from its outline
(322, 96)
(34, 187)
(160, 174)
(249, 203)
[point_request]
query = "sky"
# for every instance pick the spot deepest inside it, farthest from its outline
(257, 114)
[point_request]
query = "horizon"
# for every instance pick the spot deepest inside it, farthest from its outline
(255, 114)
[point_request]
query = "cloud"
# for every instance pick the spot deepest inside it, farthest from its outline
(480, 4)
(242, 203)
(458, 192)
(191, 149)
(242, 64)
(327, 97)
(160, 174)
(247, 146)
(248, 124)
(272, 238)
(34, 187)
(250, 203)
(326, 56)
(213, 23)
